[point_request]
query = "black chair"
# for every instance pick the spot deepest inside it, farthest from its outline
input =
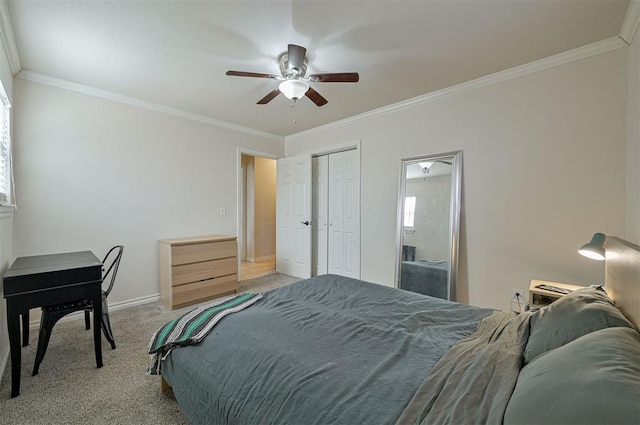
(51, 314)
(408, 253)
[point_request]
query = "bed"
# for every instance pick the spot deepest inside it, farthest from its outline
(426, 277)
(333, 350)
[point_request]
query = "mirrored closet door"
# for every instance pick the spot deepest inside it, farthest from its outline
(428, 224)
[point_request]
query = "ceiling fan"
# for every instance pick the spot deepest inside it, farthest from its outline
(427, 164)
(294, 85)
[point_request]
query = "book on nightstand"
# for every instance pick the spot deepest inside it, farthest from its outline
(542, 292)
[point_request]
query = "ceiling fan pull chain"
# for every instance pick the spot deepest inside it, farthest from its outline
(293, 110)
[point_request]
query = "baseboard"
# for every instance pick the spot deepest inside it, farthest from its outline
(258, 259)
(4, 359)
(120, 305)
(265, 258)
(35, 324)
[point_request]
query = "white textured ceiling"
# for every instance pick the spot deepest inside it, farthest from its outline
(175, 53)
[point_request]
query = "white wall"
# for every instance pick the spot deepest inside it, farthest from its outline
(633, 180)
(544, 167)
(92, 173)
(250, 196)
(6, 226)
(265, 208)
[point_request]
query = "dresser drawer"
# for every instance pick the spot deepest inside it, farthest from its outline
(192, 253)
(196, 269)
(195, 272)
(198, 291)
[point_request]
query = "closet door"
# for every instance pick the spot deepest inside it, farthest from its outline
(344, 214)
(320, 167)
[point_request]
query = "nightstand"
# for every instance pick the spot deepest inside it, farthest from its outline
(539, 298)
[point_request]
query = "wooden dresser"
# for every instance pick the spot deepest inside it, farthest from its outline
(196, 269)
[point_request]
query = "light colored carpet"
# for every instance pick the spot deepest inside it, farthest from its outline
(69, 389)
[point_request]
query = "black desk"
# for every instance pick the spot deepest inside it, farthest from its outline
(43, 280)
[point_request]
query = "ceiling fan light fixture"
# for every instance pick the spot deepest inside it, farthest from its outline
(293, 89)
(426, 166)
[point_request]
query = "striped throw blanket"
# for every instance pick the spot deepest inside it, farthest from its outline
(192, 327)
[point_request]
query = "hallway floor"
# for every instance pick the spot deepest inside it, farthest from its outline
(249, 270)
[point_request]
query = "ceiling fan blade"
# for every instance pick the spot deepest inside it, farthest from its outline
(338, 77)
(252, 74)
(268, 98)
(296, 57)
(316, 97)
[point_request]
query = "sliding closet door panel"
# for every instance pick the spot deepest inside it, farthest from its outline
(351, 215)
(344, 214)
(320, 210)
(336, 211)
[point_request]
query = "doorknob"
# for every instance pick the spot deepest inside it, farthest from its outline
(306, 223)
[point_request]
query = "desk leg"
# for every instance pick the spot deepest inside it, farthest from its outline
(25, 329)
(97, 318)
(13, 325)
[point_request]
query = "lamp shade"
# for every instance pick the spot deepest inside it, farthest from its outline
(595, 248)
(293, 89)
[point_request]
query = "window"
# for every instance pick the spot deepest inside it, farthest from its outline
(409, 211)
(6, 181)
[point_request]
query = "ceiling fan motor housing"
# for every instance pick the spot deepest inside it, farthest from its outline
(292, 72)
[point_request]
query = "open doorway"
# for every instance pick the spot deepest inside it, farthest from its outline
(257, 216)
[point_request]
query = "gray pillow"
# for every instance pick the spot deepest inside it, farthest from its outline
(594, 379)
(577, 313)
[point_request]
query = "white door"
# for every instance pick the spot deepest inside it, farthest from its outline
(344, 214)
(320, 167)
(293, 226)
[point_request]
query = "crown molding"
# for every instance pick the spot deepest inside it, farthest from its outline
(36, 77)
(8, 38)
(560, 59)
(631, 22)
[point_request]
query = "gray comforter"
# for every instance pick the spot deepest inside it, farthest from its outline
(473, 382)
(426, 277)
(327, 350)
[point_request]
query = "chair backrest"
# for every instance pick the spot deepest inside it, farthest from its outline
(110, 265)
(408, 253)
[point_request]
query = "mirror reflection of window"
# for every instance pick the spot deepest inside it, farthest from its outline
(409, 211)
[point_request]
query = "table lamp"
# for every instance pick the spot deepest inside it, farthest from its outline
(595, 248)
